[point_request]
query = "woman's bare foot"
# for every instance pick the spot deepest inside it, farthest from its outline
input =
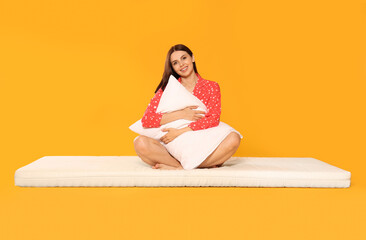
(216, 166)
(166, 167)
(219, 165)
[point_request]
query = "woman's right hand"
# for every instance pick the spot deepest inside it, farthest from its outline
(192, 115)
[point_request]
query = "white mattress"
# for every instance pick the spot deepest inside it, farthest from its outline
(128, 171)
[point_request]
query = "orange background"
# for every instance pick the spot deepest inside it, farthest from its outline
(76, 74)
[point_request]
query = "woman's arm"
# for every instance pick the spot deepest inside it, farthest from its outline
(152, 119)
(170, 117)
(212, 118)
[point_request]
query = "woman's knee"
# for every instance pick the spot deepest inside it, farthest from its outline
(233, 141)
(141, 144)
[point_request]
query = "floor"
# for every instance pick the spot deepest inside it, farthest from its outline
(183, 212)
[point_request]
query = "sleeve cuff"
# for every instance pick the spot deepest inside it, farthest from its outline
(159, 116)
(192, 126)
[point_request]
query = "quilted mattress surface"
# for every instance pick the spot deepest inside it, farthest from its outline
(131, 171)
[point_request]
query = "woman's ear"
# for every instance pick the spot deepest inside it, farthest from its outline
(193, 58)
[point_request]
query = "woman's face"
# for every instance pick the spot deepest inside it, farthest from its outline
(182, 63)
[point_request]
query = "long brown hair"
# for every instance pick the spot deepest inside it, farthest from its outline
(168, 69)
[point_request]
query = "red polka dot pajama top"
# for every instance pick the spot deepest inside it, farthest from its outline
(205, 90)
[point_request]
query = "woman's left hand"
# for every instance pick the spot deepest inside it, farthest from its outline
(171, 135)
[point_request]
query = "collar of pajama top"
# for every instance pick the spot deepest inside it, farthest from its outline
(199, 82)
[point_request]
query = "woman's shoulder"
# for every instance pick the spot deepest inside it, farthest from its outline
(210, 83)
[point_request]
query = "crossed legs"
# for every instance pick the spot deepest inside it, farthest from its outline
(155, 154)
(223, 152)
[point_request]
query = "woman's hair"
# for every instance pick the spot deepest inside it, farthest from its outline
(168, 69)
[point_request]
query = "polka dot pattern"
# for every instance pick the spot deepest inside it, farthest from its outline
(151, 118)
(205, 90)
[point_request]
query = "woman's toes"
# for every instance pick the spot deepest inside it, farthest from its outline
(167, 167)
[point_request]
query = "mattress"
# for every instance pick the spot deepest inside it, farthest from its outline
(131, 171)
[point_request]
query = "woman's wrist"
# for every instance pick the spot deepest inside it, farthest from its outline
(179, 114)
(170, 117)
(186, 129)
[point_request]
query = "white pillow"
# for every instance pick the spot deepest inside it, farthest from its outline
(175, 97)
(190, 148)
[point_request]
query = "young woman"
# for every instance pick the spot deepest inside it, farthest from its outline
(180, 62)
